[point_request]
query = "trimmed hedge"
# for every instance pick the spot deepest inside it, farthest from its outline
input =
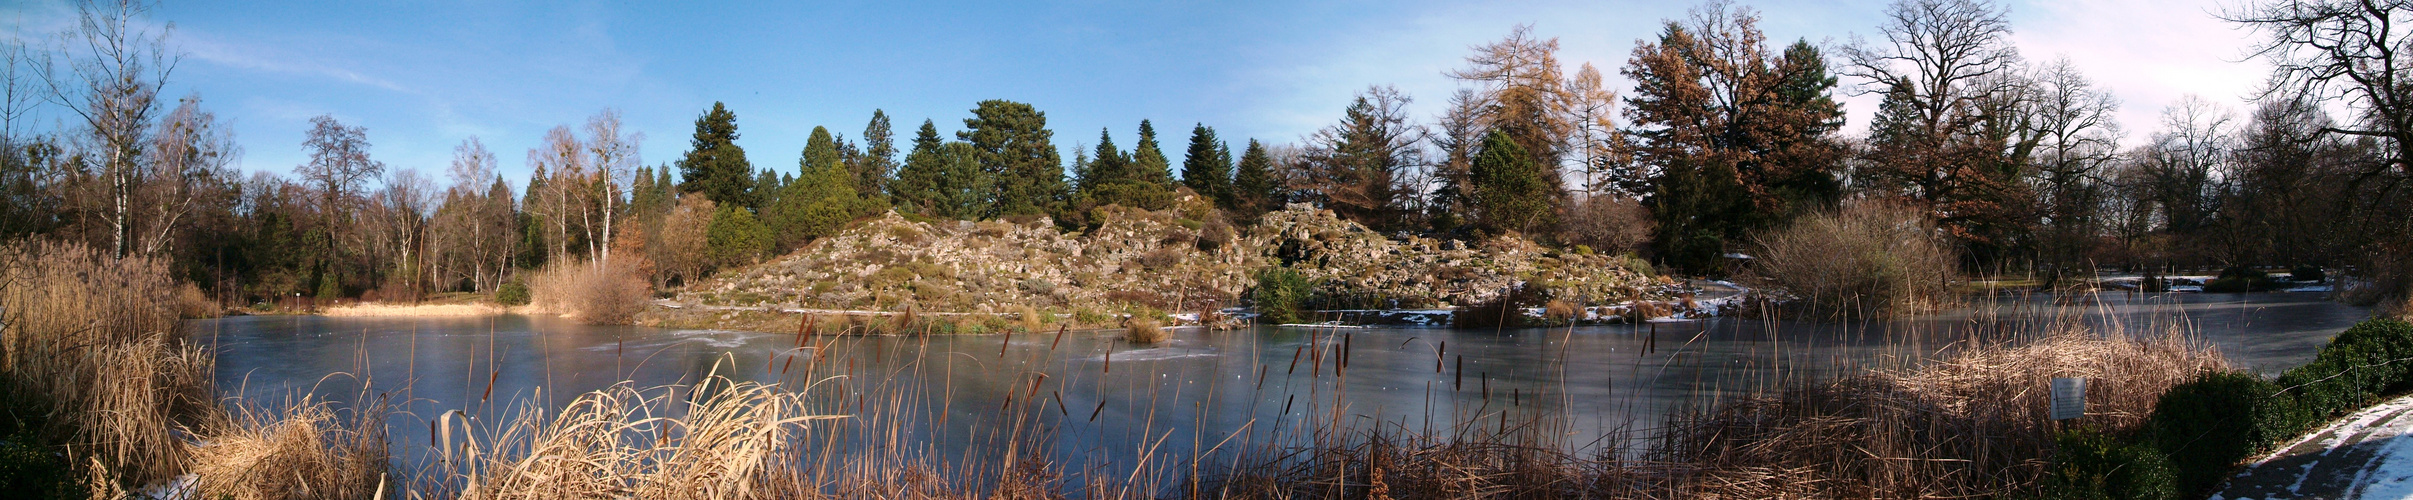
(2196, 425)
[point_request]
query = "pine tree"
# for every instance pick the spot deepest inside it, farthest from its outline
(714, 164)
(1207, 166)
(1254, 188)
(820, 199)
(1511, 190)
(1015, 153)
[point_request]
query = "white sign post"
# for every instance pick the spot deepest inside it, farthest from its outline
(2069, 398)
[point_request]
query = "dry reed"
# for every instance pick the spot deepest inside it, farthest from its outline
(609, 293)
(1145, 331)
(1974, 424)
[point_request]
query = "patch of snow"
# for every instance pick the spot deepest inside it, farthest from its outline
(2308, 289)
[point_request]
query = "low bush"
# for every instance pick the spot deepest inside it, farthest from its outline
(513, 293)
(1607, 224)
(596, 293)
(1871, 259)
(2308, 274)
(2197, 426)
(1282, 296)
(192, 304)
(2241, 280)
(2091, 465)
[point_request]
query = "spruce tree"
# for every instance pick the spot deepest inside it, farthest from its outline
(714, 164)
(1512, 192)
(1207, 166)
(1113, 177)
(941, 179)
(1148, 162)
(1254, 188)
(877, 166)
(1016, 155)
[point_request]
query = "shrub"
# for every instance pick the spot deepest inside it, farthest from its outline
(2197, 425)
(1871, 259)
(513, 293)
(2241, 280)
(1160, 259)
(2089, 464)
(735, 238)
(1607, 224)
(595, 293)
(2358, 365)
(2311, 274)
(1281, 295)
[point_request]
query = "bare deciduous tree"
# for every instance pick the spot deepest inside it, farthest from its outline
(615, 157)
(110, 82)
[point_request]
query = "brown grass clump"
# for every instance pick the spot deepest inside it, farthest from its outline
(1872, 259)
(1975, 424)
(1144, 331)
(90, 343)
(306, 451)
(1029, 318)
(605, 294)
(728, 442)
(1560, 310)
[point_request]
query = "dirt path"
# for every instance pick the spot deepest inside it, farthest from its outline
(2366, 455)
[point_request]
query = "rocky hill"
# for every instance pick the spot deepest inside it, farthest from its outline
(1185, 259)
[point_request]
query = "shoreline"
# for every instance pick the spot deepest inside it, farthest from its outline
(364, 310)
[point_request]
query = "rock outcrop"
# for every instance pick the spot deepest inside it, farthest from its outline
(1185, 259)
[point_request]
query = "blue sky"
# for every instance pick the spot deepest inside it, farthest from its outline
(423, 76)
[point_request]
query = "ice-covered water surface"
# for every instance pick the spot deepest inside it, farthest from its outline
(1097, 397)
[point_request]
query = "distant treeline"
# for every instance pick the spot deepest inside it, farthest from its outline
(1723, 136)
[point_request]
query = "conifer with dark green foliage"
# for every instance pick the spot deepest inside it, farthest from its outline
(941, 179)
(1207, 166)
(714, 164)
(822, 197)
(1148, 162)
(735, 238)
(1511, 191)
(1015, 153)
(1112, 177)
(877, 165)
(1254, 188)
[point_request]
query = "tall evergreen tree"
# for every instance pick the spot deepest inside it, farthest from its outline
(820, 199)
(941, 179)
(1015, 153)
(1206, 167)
(1512, 192)
(1148, 161)
(1255, 190)
(1114, 177)
(877, 166)
(714, 164)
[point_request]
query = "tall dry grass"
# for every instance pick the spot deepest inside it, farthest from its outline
(1871, 259)
(90, 347)
(729, 441)
(310, 449)
(603, 293)
(1970, 425)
